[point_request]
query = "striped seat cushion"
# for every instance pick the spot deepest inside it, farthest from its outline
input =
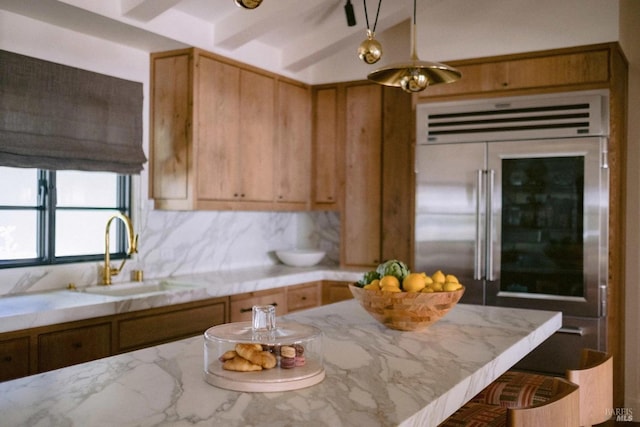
(475, 414)
(518, 390)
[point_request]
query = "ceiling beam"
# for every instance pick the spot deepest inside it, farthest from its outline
(244, 26)
(306, 51)
(145, 10)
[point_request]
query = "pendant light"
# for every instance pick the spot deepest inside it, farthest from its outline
(370, 50)
(415, 75)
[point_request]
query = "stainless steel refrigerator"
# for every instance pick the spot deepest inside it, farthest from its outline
(512, 197)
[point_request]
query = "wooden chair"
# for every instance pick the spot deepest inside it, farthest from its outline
(560, 410)
(595, 378)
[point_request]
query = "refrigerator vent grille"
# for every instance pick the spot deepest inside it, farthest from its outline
(517, 118)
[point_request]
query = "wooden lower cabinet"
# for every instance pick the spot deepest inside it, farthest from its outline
(301, 297)
(241, 305)
(45, 348)
(334, 291)
(72, 346)
(155, 326)
(14, 358)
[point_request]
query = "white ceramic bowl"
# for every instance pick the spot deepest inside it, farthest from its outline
(300, 257)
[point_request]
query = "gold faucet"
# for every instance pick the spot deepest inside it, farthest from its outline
(132, 240)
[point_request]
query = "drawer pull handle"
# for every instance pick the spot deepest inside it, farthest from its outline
(244, 310)
(303, 298)
(571, 330)
(7, 359)
(77, 345)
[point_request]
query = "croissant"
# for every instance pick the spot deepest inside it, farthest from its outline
(255, 354)
(240, 364)
(228, 355)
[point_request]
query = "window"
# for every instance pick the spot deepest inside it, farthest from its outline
(54, 217)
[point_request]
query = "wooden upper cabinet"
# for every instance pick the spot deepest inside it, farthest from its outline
(256, 142)
(362, 217)
(171, 153)
(293, 144)
(327, 141)
(561, 69)
(218, 160)
(226, 136)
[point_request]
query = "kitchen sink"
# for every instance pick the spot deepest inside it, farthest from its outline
(134, 288)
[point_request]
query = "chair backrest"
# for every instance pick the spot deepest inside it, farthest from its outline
(561, 410)
(595, 378)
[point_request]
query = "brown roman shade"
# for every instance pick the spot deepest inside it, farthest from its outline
(57, 117)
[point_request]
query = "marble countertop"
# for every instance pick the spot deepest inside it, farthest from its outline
(374, 376)
(39, 309)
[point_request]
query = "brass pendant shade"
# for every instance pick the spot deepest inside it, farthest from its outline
(414, 75)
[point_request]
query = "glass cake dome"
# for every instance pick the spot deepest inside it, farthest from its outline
(260, 356)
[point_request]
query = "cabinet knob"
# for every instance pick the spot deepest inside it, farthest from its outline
(77, 345)
(7, 359)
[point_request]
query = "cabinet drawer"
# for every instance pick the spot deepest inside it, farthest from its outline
(14, 358)
(154, 328)
(69, 347)
(303, 296)
(242, 304)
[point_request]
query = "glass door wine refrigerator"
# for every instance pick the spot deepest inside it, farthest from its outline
(512, 197)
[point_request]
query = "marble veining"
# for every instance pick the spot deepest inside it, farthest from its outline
(375, 376)
(45, 308)
(178, 243)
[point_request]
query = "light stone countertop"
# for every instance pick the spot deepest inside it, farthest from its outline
(374, 376)
(46, 308)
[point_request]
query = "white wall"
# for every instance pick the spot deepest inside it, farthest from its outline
(630, 42)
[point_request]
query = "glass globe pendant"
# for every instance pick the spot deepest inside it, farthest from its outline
(370, 50)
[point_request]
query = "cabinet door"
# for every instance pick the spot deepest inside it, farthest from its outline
(558, 70)
(218, 128)
(487, 77)
(14, 358)
(157, 326)
(256, 141)
(333, 291)
(303, 296)
(170, 145)
(69, 347)
(326, 154)
(241, 305)
(293, 172)
(363, 180)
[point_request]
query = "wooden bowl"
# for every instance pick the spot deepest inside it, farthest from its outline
(406, 311)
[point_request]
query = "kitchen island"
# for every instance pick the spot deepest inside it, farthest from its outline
(374, 376)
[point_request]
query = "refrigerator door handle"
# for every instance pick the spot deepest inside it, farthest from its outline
(477, 264)
(489, 243)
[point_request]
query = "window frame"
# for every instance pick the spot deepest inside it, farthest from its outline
(46, 208)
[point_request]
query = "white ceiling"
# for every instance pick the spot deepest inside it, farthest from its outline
(307, 38)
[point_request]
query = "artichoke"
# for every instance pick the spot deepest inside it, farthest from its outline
(368, 277)
(393, 267)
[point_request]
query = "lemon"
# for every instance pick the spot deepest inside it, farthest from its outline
(376, 283)
(427, 289)
(389, 281)
(451, 278)
(451, 286)
(413, 282)
(437, 287)
(428, 280)
(438, 277)
(371, 286)
(390, 289)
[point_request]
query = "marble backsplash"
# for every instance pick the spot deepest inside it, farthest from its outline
(176, 243)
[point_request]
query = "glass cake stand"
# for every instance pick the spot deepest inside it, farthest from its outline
(259, 356)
